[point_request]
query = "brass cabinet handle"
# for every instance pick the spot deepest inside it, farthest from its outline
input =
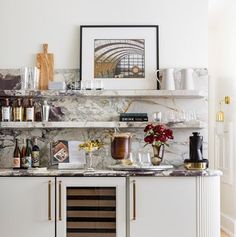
(49, 200)
(60, 216)
(134, 200)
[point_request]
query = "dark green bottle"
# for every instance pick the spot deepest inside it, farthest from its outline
(26, 161)
(35, 154)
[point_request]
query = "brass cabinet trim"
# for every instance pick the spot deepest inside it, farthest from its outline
(49, 200)
(60, 201)
(134, 200)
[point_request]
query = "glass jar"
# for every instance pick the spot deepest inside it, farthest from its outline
(120, 146)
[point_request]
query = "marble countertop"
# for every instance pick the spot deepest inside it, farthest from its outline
(105, 173)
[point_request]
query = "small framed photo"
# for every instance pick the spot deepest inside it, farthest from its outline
(60, 152)
(121, 57)
(67, 152)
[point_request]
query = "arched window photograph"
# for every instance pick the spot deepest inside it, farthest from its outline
(119, 56)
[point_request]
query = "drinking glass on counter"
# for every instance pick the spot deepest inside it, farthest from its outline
(86, 85)
(82, 85)
(24, 74)
(157, 117)
(179, 117)
(146, 159)
(131, 157)
(29, 78)
(191, 117)
(98, 84)
(92, 85)
(33, 78)
(169, 116)
(143, 158)
(139, 159)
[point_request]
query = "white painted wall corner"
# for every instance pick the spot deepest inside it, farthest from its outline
(228, 225)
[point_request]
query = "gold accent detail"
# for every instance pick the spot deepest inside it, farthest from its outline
(60, 218)
(134, 200)
(227, 100)
(220, 114)
(49, 200)
(126, 162)
(195, 166)
(220, 117)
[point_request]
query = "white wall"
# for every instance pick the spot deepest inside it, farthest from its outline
(222, 61)
(26, 24)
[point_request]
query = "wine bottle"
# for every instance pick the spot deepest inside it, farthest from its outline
(16, 156)
(6, 111)
(38, 112)
(35, 154)
(23, 152)
(30, 111)
(26, 160)
(18, 111)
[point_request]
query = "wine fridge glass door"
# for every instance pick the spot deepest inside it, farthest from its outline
(91, 207)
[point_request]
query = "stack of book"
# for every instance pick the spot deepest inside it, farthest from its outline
(133, 117)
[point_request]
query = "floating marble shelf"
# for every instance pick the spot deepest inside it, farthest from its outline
(109, 124)
(188, 94)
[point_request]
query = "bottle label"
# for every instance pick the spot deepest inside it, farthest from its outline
(16, 162)
(6, 113)
(35, 158)
(30, 114)
(18, 114)
(26, 162)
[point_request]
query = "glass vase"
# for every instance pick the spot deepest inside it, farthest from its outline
(158, 154)
(89, 162)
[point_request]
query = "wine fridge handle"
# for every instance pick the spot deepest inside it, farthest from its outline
(134, 200)
(60, 207)
(49, 200)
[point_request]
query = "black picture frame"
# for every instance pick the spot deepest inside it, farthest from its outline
(155, 27)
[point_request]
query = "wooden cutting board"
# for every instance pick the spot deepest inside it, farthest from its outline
(45, 64)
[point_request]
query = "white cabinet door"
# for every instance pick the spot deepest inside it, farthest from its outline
(162, 207)
(91, 207)
(25, 207)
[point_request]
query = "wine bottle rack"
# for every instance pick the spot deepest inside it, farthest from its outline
(91, 211)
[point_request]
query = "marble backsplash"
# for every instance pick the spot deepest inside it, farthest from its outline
(77, 108)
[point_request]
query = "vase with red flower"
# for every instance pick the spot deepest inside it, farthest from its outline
(157, 136)
(158, 154)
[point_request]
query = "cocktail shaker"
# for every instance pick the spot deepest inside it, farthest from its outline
(46, 110)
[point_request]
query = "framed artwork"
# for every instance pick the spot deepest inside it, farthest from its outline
(122, 57)
(60, 152)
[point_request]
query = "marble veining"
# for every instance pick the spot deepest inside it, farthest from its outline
(108, 173)
(77, 108)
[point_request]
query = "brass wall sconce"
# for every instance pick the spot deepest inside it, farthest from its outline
(220, 116)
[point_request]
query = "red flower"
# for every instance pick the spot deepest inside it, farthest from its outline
(163, 138)
(169, 133)
(159, 128)
(149, 139)
(157, 138)
(148, 127)
(157, 133)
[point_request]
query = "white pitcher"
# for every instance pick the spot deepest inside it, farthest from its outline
(187, 81)
(168, 79)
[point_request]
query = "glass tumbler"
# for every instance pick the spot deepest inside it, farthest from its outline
(24, 74)
(33, 83)
(157, 117)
